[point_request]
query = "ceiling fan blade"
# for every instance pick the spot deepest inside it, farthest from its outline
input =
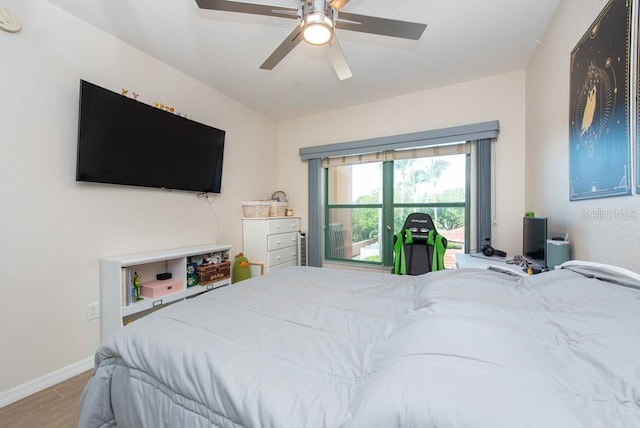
(256, 9)
(337, 59)
(383, 26)
(339, 4)
(283, 50)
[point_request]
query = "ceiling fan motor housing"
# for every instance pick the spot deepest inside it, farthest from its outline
(317, 21)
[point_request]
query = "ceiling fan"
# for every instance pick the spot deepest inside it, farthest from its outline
(317, 21)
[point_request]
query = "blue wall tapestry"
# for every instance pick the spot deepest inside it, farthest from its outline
(599, 133)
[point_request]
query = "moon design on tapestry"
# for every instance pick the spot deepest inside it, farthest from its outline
(595, 105)
(587, 117)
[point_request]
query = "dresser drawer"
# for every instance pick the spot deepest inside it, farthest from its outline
(283, 225)
(284, 265)
(283, 256)
(282, 240)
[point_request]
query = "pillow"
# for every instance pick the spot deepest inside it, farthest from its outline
(604, 272)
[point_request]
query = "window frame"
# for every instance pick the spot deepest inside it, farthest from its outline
(481, 135)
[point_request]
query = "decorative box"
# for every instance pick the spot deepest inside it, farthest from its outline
(208, 273)
(224, 269)
(277, 209)
(161, 288)
(253, 209)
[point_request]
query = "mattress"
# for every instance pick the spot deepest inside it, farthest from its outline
(317, 347)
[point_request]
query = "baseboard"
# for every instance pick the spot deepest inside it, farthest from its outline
(44, 382)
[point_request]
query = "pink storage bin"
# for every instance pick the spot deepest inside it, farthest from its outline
(161, 288)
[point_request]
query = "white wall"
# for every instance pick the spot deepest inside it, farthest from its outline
(500, 97)
(54, 230)
(603, 230)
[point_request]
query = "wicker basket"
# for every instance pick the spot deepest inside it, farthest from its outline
(277, 209)
(252, 209)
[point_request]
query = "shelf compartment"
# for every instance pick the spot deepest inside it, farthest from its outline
(148, 265)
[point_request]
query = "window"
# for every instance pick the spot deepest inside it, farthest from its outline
(367, 203)
(353, 220)
(478, 135)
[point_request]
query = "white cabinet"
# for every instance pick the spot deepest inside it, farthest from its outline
(117, 311)
(272, 241)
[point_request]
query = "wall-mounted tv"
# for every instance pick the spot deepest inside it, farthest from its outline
(124, 141)
(534, 240)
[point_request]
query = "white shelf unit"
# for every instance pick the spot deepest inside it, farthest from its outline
(147, 265)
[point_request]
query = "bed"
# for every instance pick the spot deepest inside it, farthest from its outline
(318, 347)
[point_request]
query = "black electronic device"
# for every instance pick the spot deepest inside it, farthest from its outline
(124, 141)
(489, 251)
(534, 240)
(164, 276)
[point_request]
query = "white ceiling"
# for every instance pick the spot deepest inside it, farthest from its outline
(464, 40)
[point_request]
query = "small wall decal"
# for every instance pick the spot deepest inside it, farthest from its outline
(156, 104)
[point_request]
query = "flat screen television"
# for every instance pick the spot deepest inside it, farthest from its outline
(124, 141)
(534, 239)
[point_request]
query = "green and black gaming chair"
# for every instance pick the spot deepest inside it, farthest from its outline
(418, 247)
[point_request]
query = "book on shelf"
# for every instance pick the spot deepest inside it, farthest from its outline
(123, 284)
(127, 287)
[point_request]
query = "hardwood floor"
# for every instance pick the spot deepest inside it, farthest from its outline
(54, 407)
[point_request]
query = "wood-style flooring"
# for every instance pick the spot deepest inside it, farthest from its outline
(54, 407)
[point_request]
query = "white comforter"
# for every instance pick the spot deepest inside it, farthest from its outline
(309, 347)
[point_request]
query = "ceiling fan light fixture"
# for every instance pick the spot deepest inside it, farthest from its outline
(317, 28)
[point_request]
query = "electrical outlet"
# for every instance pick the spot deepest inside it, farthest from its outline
(93, 311)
